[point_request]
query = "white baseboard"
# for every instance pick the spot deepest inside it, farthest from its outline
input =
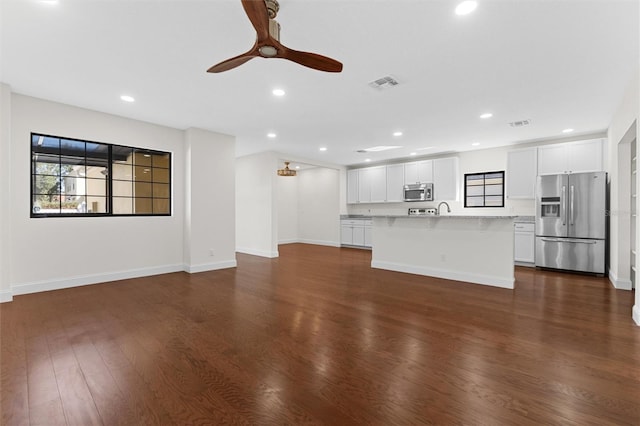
(446, 274)
(261, 253)
(618, 283)
(636, 314)
(203, 267)
(320, 242)
(6, 296)
(58, 284)
(289, 241)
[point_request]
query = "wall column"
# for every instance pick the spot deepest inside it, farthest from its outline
(209, 224)
(5, 193)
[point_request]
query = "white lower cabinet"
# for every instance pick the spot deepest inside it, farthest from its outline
(525, 242)
(355, 232)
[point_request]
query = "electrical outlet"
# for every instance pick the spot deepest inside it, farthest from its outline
(210, 252)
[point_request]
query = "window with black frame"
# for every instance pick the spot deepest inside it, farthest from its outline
(71, 177)
(484, 189)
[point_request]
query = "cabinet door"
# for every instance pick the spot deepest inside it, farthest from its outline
(352, 186)
(378, 179)
(425, 171)
(585, 156)
(552, 159)
(358, 235)
(524, 249)
(346, 234)
(410, 173)
(368, 233)
(395, 181)
(445, 179)
(364, 185)
(521, 173)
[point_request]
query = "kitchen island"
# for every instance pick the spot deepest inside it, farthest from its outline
(475, 249)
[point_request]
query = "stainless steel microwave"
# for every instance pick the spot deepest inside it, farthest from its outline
(418, 192)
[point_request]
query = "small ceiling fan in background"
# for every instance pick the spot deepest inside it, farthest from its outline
(262, 15)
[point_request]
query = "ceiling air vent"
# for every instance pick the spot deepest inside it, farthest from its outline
(520, 123)
(384, 82)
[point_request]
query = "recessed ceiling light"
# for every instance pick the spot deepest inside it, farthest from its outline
(49, 2)
(486, 115)
(475, 144)
(466, 7)
(567, 131)
(367, 159)
(397, 133)
(324, 148)
(271, 135)
(426, 147)
(127, 98)
(278, 92)
(413, 153)
(297, 167)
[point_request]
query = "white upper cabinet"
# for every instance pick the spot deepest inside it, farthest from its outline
(395, 181)
(418, 172)
(352, 186)
(445, 179)
(521, 173)
(372, 184)
(378, 177)
(572, 157)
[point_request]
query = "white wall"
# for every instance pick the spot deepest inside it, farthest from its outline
(5, 192)
(319, 206)
(628, 111)
(209, 226)
(287, 205)
(256, 210)
(51, 253)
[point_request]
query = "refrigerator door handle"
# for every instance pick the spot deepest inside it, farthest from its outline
(571, 197)
(563, 213)
(566, 240)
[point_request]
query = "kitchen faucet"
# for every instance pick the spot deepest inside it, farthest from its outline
(446, 204)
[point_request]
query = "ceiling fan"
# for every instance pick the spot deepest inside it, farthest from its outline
(262, 15)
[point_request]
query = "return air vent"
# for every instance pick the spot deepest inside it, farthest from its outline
(384, 82)
(520, 123)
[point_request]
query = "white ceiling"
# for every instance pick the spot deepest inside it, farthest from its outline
(561, 64)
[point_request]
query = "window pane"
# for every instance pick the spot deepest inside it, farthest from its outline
(160, 190)
(48, 185)
(71, 165)
(161, 160)
(122, 154)
(160, 206)
(160, 175)
(493, 201)
(143, 206)
(493, 189)
(122, 171)
(122, 188)
(475, 190)
(72, 186)
(96, 172)
(142, 158)
(475, 201)
(122, 205)
(142, 173)
(72, 148)
(96, 187)
(46, 164)
(96, 204)
(142, 189)
(45, 144)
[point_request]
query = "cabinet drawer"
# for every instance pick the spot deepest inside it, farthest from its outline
(367, 222)
(351, 222)
(524, 227)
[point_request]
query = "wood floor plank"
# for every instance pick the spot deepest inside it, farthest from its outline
(318, 337)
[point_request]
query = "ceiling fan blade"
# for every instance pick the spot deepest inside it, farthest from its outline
(257, 12)
(311, 60)
(234, 62)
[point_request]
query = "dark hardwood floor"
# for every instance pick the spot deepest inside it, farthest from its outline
(318, 337)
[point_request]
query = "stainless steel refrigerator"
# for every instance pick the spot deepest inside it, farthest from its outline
(571, 222)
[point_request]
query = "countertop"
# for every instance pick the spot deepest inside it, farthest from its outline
(519, 219)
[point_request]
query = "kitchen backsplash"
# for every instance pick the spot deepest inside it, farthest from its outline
(512, 208)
